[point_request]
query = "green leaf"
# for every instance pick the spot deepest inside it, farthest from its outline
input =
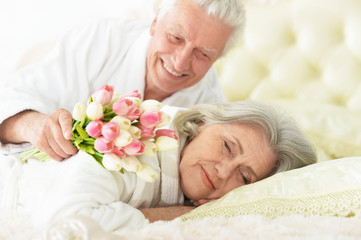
(90, 100)
(87, 148)
(82, 133)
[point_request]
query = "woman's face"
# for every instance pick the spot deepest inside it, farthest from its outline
(223, 157)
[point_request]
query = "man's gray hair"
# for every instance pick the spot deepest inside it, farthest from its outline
(285, 138)
(231, 12)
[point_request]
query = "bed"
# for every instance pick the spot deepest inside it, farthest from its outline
(304, 56)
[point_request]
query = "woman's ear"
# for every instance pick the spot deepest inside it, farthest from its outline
(203, 201)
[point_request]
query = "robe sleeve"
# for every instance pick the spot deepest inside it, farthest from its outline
(81, 62)
(80, 186)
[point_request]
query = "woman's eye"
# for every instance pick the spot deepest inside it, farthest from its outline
(227, 146)
(244, 178)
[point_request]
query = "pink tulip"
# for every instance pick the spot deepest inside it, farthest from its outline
(146, 132)
(126, 108)
(167, 133)
(134, 93)
(103, 145)
(94, 128)
(135, 148)
(122, 106)
(164, 120)
(150, 119)
(104, 95)
(110, 130)
(118, 152)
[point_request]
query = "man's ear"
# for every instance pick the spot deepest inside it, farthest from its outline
(153, 26)
(203, 201)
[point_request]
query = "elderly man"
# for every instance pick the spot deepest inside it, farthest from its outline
(170, 61)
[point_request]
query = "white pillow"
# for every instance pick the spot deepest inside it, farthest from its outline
(330, 188)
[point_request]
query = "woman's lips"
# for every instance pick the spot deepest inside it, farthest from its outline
(207, 181)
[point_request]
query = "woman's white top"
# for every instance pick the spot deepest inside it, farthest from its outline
(49, 191)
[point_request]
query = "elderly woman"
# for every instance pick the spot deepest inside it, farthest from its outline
(222, 147)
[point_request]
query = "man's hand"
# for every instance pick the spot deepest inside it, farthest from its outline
(48, 133)
(165, 213)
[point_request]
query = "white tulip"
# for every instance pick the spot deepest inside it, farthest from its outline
(150, 149)
(94, 111)
(123, 139)
(112, 162)
(79, 111)
(147, 173)
(131, 163)
(123, 123)
(135, 132)
(151, 105)
(165, 143)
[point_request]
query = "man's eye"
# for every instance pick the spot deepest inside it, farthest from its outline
(201, 54)
(174, 38)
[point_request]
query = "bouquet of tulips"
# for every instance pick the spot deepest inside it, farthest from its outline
(116, 130)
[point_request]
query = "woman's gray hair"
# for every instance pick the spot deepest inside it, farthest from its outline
(286, 140)
(231, 12)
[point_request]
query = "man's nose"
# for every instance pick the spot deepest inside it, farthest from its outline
(182, 58)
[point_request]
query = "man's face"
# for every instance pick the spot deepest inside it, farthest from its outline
(184, 45)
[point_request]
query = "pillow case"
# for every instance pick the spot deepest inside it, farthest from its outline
(329, 188)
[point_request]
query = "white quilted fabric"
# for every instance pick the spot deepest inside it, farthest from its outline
(299, 49)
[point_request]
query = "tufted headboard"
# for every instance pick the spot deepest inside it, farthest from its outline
(306, 56)
(299, 49)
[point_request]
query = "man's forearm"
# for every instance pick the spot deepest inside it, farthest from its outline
(15, 129)
(165, 213)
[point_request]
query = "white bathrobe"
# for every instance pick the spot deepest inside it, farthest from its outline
(49, 191)
(109, 52)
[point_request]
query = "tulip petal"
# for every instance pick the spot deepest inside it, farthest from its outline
(111, 162)
(165, 143)
(147, 173)
(150, 149)
(123, 139)
(131, 163)
(79, 112)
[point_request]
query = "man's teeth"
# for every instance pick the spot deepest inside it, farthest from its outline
(170, 71)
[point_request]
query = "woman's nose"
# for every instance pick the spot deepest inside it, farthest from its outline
(225, 168)
(182, 58)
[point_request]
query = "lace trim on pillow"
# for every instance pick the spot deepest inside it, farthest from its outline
(343, 203)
